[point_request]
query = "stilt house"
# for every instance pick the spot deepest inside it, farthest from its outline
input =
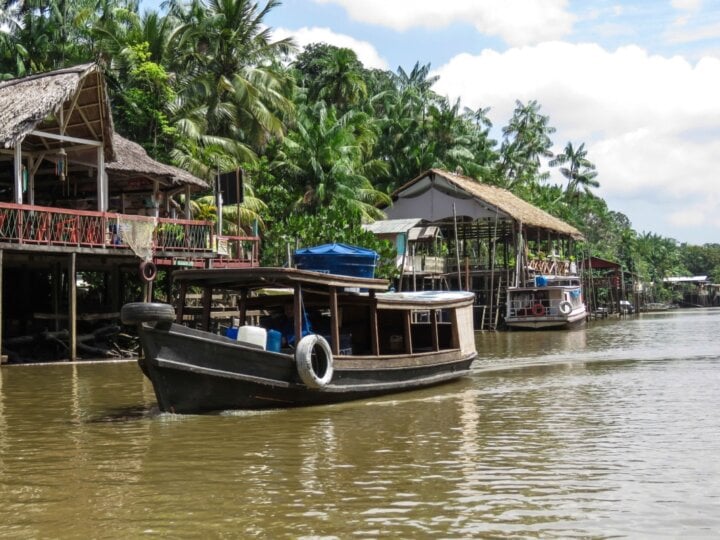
(496, 239)
(76, 197)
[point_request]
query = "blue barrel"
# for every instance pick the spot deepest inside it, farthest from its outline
(274, 341)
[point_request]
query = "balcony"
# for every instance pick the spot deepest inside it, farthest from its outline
(181, 242)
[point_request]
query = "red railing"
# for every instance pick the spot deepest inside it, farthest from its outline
(24, 224)
(41, 225)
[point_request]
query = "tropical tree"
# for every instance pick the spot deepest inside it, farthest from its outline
(232, 93)
(332, 74)
(578, 170)
(324, 157)
(526, 142)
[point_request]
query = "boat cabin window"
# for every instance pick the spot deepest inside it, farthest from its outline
(399, 330)
(425, 334)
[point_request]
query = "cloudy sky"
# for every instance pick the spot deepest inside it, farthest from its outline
(637, 81)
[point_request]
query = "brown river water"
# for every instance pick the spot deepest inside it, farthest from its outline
(610, 431)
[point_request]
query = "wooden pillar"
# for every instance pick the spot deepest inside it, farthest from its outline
(156, 198)
(407, 323)
(1, 303)
(56, 292)
(434, 326)
(101, 181)
(188, 213)
(374, 335)
(207, 307)
(72, 303)
(334, 322)
(17, 172)
(31, 180)
(113, 277)
(297, 313)
(180, 311)
(242, 308)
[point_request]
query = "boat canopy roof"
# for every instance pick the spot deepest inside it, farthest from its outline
(264, 277)
(287, 278)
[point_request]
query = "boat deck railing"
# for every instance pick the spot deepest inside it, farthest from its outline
(534, 308)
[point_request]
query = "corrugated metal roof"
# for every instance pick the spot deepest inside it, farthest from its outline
(423, 233)
(391, 226)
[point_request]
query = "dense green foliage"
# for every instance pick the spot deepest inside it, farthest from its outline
(323, 139)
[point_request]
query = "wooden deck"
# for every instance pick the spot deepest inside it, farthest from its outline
(175, 241)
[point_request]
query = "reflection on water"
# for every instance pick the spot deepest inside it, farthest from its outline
(607, 431)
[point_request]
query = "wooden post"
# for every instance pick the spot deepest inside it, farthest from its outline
(207, 306)
(242, 308)
(102, 185)
(188, 211)
(17, 172)
(56, 292)
(1, 304)
(31, 180)
(408, 331)
(434, 325)
(180, 310)
(334, 322)
(468, 285)
(297, 313)
(72, 303)
(374, 336)
(457, 250)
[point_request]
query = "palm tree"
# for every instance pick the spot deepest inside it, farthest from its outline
(333, 74)
(325, 158)
(526, 142)
(580, 172)
(233, 97)
(226, 60)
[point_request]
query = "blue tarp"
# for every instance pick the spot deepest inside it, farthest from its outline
(339, 259)
(336, 249)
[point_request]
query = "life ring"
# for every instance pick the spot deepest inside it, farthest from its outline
(565, 307)
(140, 312)
(314, 361)
(148, 271)
(538, 310)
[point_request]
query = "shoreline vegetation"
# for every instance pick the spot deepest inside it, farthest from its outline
(323, 140)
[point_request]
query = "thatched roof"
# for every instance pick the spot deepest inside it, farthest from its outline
(435, 193)
(35, 103)
(131, 160)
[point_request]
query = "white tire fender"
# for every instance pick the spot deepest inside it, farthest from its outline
(314, 361)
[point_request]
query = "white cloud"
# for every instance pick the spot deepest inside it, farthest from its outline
(687, 5)
(517, 22)
(651, 124)
(365, 51)
(682, 33)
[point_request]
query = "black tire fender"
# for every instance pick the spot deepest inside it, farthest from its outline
(314, 361)
(140, 312)
(148, 271)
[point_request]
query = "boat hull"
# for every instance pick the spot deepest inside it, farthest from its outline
(548, 323)
(195, 372)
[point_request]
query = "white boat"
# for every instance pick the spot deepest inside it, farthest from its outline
(546, 302)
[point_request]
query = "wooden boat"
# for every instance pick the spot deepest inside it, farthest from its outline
(655, 306)
(351, 341)
(546, 302)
